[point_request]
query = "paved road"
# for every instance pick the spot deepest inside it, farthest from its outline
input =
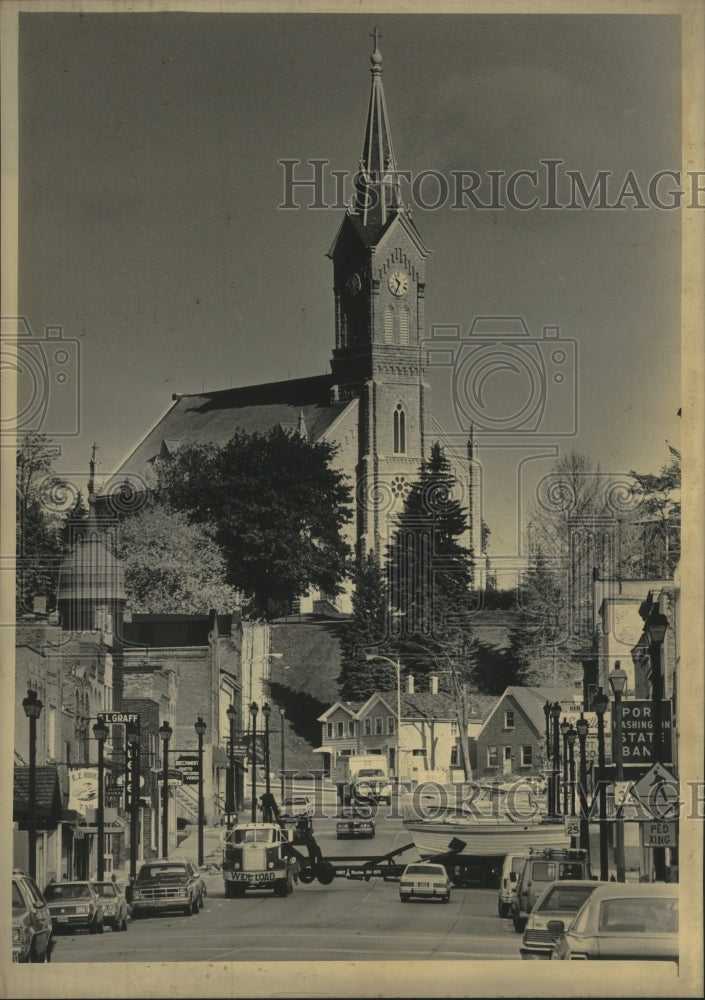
(347, 920)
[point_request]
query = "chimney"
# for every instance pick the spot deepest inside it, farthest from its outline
(409, 683)
(433, 683)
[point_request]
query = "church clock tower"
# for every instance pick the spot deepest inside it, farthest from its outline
(379, 280)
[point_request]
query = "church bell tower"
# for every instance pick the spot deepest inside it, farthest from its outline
(379, 281)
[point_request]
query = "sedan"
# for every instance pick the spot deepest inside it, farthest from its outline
(355, 823)
(115, 908)
(295, 806)
(32, 938)
(424, 881)
(622, 921)
(558, 901)
(75, 905)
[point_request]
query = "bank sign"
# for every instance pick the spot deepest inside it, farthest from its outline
(638, 733)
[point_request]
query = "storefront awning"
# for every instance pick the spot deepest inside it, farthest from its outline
(323, 750)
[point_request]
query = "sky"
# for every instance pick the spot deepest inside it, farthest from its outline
(151, 235)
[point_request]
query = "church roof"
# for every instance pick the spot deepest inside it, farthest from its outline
(306, 405)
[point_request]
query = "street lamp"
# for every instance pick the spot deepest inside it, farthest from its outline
(266, 712)
(565, 726)
(618, 683)
(165, 734)
(282, 760)
(555, 767)
(32, 709)
(582, 726)
(100, 731)
(254, 709)
(397, 666)
(655, 628)
(549, 777)
(599, 705)
(200, 727)
(230, 804)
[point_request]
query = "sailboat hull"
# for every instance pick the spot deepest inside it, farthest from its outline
(482, 838)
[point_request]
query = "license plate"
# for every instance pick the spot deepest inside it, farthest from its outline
(63, 920)
(424, 885)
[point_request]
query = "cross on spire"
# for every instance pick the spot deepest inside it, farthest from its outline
(376, 35)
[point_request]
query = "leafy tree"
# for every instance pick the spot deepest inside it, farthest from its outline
(172, 566)
(537, 640)
(38, 521)
(274, 505)
(651, 539)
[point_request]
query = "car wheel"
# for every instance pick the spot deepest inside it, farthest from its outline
(446, 898)
(404, 899)
(306, 875)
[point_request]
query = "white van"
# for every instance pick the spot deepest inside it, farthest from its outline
(511, 870)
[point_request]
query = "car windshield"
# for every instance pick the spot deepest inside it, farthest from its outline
(18, 902)
(105, 889)
(639, 915)
(425, 870)
(262, 836)
(565, 897)
(67, 890)
(370, 772)
(161, 872)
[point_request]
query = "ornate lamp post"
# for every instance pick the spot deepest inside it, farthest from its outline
(266, 712)
(32, 709)
(582, 726)
(282, 759)
(254, 709)
(618, 683)
(565, 726)
(655, 628)
(549, 776)
(165, 734)
(599, 705)
(556, 754)
(200, 727)
(100, 731)
(230, 804)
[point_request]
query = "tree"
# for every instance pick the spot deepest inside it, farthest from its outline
(274, 505)
(39, 522)
(171, 566)
(365, 633)
(430, 576)
(651, 540)
(537, 639)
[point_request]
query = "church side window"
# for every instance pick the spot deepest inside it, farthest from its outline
(404, 326)
(399, 430)
(388, 325)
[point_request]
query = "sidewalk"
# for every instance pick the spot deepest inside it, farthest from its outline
(212, 845)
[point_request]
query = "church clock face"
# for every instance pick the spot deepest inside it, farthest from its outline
(353, 284)
(398, 283)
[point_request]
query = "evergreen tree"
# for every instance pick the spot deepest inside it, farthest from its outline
(39, 492)
(536, 650)
(365, 633)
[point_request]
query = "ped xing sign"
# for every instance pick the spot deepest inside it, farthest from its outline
(659, 834)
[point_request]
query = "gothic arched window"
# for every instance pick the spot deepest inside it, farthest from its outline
(389, 325)
(404, 326)
(399, 430)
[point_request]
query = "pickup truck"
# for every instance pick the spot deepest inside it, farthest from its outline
(166, 885)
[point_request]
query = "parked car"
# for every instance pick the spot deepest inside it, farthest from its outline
(558, 901)
(115, 908)
(32, 931)
(166, 885)
(75, 905)
(424, 881)
(511, 870)
(622, 921)
(355, 822)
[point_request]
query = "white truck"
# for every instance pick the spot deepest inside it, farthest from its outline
(258, 856)
(363, 777)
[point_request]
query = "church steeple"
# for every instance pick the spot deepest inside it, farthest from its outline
(377, 190)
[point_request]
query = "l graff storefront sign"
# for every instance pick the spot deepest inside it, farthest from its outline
(638, 733)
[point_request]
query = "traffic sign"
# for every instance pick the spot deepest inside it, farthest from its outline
(655, 834)
(659, 791)
(572, 826)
